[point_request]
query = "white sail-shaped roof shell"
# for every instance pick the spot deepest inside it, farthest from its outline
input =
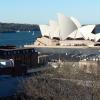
(91, 36)
(76, 22)
(54, 29)
(75, 35)
(57, 33)
(97, 37)
(66, 26)
(87, 31)
(45, 30)
(83, 32)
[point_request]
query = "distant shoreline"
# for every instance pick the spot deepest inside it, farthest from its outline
(14, 27)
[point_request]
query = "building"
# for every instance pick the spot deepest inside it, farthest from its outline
(90, 67)
(65, 35)
(68, 28)
(21, 56)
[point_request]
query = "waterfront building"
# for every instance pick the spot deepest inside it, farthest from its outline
(21, 56)
(68, 28)
(90, 67)
(66, 34)
(17, 60)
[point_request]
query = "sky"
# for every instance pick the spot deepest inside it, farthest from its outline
(41, 11)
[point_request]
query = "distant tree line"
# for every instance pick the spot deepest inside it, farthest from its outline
(14, 27)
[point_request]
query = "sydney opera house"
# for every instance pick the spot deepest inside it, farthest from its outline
(67, 32)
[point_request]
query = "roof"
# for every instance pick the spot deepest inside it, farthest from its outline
(76, 22)
(67, 27)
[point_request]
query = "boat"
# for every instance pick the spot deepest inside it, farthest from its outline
(18, 31)
(33, 33)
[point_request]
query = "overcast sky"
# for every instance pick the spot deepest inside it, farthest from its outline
(41, 11)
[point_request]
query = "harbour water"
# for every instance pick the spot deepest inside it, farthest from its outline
(19, 38)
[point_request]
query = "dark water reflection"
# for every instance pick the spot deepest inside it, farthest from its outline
(19, 38)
